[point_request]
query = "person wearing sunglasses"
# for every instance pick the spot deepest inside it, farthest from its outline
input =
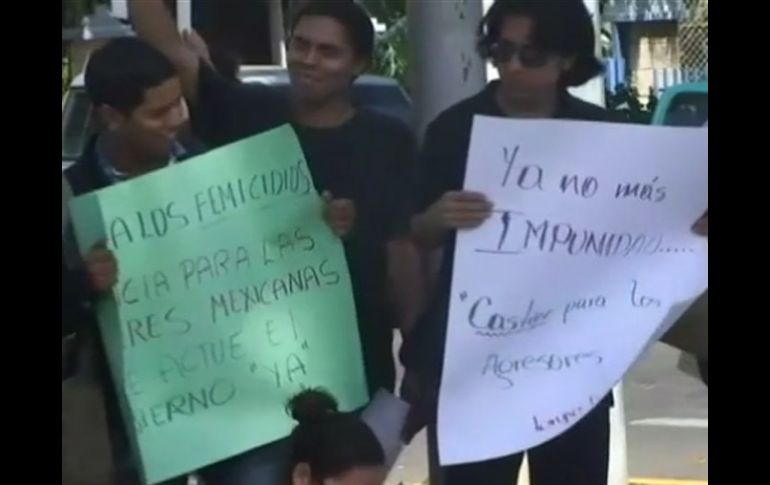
(540, 49)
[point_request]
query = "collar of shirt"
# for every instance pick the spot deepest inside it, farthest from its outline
(565, 109)
(176, 152)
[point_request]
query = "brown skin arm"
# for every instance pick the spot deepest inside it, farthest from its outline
(453, 210)
(198, 45)
(339, 214)
(426, 234)
(406, 285)
(101, 268)
(154, 25)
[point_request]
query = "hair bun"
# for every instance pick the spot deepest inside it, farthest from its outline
(312, 406)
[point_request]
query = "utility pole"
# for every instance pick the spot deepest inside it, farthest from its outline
(445, 66)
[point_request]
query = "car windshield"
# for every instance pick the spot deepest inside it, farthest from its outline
(688, 109)
(76, 124)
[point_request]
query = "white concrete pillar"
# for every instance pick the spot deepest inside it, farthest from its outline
(277, 33)
(119, 9)
(184, 14)
(445, 66)
(444, 69)
(491, 71)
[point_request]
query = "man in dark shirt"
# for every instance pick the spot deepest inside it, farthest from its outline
(360, 160)
(540, 48)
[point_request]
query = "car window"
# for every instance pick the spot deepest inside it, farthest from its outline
(687, 109)
(386, 99)
(76, 124)
(375, 95)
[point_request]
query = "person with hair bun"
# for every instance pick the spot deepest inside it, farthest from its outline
(329, 447)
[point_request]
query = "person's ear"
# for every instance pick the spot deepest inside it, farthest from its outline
(301, 475)
(111, 118)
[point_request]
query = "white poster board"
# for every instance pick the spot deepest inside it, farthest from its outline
(588, 255)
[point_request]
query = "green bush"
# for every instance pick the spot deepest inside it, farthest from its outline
(390, 52)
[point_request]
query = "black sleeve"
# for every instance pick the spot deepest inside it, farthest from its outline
(74, 298)
(440, 159)
(225, 111)
(402, 176)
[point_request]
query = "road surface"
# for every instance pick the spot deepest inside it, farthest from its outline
(666, 426)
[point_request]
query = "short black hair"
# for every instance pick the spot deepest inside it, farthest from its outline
(328, 441)
(351, 15)
(563, 27)
(118, 73)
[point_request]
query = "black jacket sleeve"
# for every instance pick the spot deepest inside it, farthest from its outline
(226, 111)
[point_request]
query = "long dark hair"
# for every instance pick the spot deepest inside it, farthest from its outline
(328, 441)
(563, 27)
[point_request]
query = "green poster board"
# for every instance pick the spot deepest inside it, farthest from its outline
(233, 295)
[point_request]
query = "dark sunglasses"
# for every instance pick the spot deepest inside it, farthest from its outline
(530, 57)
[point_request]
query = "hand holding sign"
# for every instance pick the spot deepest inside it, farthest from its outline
(701, 226)
(102, 268)
(460, 210)
(233, 296)
(340, 214)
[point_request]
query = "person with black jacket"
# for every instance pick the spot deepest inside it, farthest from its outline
(137, 96)
(540, 49)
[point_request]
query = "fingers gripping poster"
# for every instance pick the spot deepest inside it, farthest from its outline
(232, 296)
(587, 258)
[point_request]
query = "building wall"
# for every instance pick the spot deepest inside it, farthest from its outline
(653, 47)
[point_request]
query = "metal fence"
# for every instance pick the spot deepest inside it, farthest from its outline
(691, 47)
(693, 37)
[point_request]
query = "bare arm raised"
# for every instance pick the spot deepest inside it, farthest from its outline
(154, 25)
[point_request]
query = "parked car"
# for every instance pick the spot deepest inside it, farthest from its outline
(683, 105)
(77, 122)
(688, 105)
(379, 93)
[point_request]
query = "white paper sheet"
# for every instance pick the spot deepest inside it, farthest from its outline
(588, 256)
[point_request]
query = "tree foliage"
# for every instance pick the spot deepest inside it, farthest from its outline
(390, 52)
